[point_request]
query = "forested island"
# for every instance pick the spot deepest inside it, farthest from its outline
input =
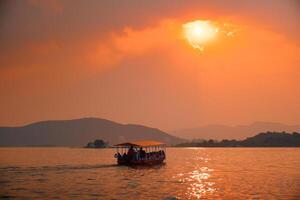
(266, 139)
(97, 144)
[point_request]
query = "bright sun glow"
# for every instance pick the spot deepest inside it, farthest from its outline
(199, 32)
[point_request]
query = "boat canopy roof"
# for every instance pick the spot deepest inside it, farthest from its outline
(141, 143)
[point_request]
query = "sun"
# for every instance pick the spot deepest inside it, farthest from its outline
(199, 32)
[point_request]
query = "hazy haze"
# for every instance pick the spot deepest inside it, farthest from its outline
(127, 61)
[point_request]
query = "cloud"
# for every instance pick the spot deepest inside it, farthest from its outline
(125, 59)
(48, 6)
(23, 20)
(132, 42)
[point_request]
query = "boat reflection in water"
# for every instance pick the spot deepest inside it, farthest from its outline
(145, 152)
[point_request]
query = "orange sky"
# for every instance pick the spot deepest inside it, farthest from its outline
(129, 61)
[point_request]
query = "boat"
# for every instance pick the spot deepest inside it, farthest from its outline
(143, 152)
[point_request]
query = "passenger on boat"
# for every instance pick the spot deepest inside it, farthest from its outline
(131, 153)
(119, 155)
(142, 153)
(124, 156)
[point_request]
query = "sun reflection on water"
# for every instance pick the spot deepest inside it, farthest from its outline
(198, 182)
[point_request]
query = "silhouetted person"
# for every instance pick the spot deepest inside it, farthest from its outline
(131, 153)
(119, 155)
(125, 157)
(142, 153)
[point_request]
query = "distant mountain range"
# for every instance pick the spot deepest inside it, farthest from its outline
(267, 139)
(219, 132)
(79, 132)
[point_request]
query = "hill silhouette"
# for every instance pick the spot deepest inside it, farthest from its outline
(79, 132)
(267, 139)
(273, 139)
(219, 132)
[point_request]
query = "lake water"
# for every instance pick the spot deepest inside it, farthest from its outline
(189, 173)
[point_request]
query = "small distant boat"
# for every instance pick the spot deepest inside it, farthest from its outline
(145, 152)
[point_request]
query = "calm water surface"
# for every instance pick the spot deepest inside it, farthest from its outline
(189, 173)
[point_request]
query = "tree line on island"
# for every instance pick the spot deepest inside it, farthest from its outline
(97, 144)
(265, 139)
